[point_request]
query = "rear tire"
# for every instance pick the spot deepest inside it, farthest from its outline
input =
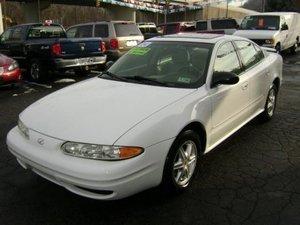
(182, 162)
(81, 71)
(270, 105)
(36, 71)
(293, 49)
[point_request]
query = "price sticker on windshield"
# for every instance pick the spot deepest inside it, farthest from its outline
(139, 51)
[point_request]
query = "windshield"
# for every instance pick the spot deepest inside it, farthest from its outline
(126, 29)
(173, 64)
(46, 32)
(261, 23)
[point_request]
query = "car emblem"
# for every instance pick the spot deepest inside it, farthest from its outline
(82, 46)
(41, 141)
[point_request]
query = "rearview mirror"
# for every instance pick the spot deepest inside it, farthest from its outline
(109, 64)
(284, 27)
(226, 78)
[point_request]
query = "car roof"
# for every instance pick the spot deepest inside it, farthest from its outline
(275, 13)
(197, 37)
(104, 21)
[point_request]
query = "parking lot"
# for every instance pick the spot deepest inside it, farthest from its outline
(253, 178)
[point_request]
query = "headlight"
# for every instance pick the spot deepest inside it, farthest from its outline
(100, 152)
(270, 41)
(13, 66)
(24, 130)
(1, 70)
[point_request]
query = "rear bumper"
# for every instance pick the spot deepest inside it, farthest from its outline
(11, 77)
(79, 62)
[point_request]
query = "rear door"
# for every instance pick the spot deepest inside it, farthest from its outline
(128, 35)
(257, 71)
(229, 102)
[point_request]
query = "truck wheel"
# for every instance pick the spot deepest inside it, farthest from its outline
(36, 71)
(82, 71)
(278, 48)
(293, 49)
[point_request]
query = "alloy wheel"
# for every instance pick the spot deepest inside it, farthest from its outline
(185, 163)
(271, 102)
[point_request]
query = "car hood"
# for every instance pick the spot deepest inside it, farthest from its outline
(256, 34)
(97, 111)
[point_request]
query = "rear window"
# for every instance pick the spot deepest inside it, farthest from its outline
(201, 25)
(46, 32)
(223, 24)
(101, 30)
(172, 28)
(126, 29)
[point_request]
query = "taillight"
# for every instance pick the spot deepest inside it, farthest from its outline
(102, 47)
(56, 49)
(113, 44)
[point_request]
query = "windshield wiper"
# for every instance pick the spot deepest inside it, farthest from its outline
(145, 80)
(113, 76)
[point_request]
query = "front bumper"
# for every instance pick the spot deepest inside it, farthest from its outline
(90, 178)
(61, 63)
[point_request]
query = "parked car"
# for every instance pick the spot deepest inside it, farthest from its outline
(150, 117)
(279, 30)
(176, 27)
(119, 36)
(10, 72)
(41, 47)
(221, 26)
(149, 30)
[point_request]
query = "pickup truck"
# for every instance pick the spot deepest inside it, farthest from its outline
(39, 48)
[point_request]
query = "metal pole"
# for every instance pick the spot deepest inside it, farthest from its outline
(185, 11)
(227, 2)
(263, 5)
(39, 11)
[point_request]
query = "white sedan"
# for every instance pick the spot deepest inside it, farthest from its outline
(149, 118)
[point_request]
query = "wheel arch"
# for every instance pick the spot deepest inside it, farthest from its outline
(199, 128)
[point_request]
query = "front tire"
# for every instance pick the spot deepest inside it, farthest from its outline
(182, 162)
(270, 105)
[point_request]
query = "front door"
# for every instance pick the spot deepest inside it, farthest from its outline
(229, 102)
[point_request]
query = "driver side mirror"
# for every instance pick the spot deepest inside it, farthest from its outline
(226, 78)
(284, 27)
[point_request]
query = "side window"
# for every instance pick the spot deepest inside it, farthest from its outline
(101, 30)
(6, 35)
(227, 60)
(71, 33)
(16, 34)
(84, 31)
(250, 56)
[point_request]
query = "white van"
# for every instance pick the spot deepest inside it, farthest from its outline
(217, 26)
(279, 30)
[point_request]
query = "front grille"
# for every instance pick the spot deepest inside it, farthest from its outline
(259, 41)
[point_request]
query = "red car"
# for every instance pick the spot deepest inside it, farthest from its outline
(10, 72)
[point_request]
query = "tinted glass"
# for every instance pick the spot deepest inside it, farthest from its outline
(227, 60)
(46, 32)
(6, 35)
(172, 63)
(126, 29)
(71, 33)
(84, 31)
(17, 34)
(201, 25)
(261, 23)
(223, 24)
(250, 56)
(172, 28)
(101, 30)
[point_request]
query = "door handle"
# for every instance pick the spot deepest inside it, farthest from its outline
(245, 86)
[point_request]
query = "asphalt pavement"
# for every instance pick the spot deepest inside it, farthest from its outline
(252, 178)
